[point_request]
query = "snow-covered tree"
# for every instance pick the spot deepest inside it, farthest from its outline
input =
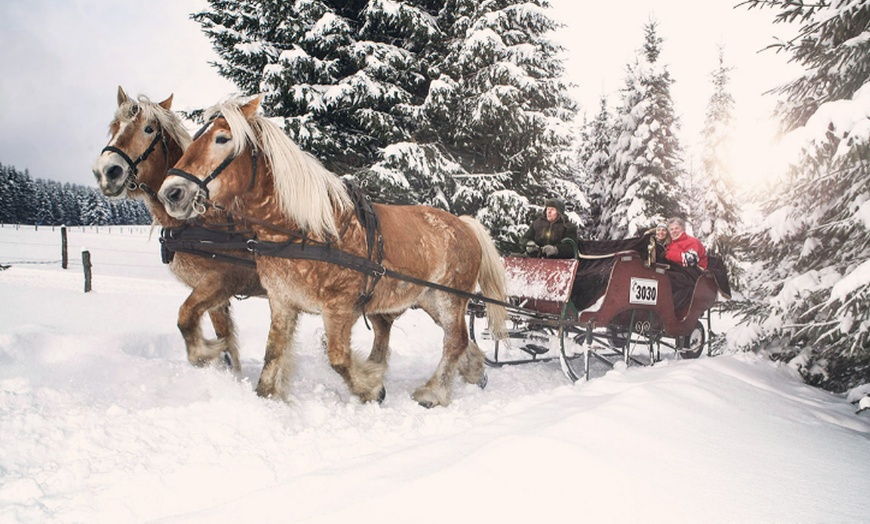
(96, 210)
(646, 157)
(811, 276)
(714, 211)
(439, 102)
(595, 158)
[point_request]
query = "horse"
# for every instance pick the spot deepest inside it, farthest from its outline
(156, 137)
(244, 162)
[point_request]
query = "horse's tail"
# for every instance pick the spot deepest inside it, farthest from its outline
(491, 278)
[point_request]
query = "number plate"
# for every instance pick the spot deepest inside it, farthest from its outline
(643, 291)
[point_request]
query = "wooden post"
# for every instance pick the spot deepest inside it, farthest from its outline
(64, 259)
(86, 264)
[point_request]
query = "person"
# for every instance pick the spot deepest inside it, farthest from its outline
(658, 243)
(663, 237)
(688, 258)
(683, 249)
(544, 237)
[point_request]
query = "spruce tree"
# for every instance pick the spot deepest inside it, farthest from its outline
(714, 212)
(646, 157)
(595, 159)
(810, 281)
(454, 103)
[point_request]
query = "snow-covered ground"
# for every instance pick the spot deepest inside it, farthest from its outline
(102, 420)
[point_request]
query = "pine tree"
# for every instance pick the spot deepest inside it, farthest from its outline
(811, 277)
(96, 210)
(715, 213)
(646, 156)
(6, 195)
(342, 75)
(595, 158)
(444, 103)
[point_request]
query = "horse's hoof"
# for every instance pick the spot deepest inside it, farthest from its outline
(484, 380)
(426, 404)
(228, 360)
(382, 395)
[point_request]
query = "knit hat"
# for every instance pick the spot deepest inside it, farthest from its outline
(661, 225)
(557, 203)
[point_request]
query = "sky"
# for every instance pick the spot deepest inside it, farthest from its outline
(103, 420)
(62, 63)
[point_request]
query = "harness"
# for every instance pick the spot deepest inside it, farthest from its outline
(201, 199)
(206, 242)
(299, 246)
(133, 182)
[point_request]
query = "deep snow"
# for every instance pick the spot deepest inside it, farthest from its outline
(103, 420)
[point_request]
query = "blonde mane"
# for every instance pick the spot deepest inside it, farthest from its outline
(307, 193)
(169, 122)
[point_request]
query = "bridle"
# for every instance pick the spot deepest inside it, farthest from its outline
(132, 180)
(201, 200)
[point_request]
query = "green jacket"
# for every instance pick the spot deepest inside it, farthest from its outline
(544, 232)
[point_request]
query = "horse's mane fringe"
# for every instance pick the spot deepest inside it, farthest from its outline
(168, 120)
(307, 192)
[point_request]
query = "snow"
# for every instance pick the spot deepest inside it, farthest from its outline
(855, 281)
(103, 421)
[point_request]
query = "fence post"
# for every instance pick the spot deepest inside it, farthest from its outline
(63, 248)
(86, 264)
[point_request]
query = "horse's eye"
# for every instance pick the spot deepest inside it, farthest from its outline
(221, 139)
(149, 129)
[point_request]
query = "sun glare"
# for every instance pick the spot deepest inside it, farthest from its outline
(758, 156)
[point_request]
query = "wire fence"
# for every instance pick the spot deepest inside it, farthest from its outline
(118, 250)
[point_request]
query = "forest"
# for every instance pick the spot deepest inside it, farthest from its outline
(24, 200)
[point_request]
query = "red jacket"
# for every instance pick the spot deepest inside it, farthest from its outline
(677, 248)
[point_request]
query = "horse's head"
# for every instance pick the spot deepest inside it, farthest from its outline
(218, 166)
(146, 139)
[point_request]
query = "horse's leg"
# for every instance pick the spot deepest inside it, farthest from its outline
(208, 294)
(364, 378)
(278, 360)
(472, 364)
(225, 329)
(447, 311)
(381, 325)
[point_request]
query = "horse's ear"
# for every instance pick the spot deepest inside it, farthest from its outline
(250, 108)
(122, 96)
(166, 104)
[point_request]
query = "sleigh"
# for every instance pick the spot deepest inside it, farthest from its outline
(600, 309)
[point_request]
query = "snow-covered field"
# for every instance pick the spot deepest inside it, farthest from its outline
(102, 420)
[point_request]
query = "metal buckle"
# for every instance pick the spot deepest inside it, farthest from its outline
(200, 202)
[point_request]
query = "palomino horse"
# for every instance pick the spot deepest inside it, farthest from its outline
(245, 162)
(156, 138)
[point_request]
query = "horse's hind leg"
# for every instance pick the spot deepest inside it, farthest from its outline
(381, 325)
(450, 315)
(472, 366)
(225, 329)
(364, 378)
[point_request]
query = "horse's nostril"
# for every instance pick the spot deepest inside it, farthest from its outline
(114, 172)
(174, 195)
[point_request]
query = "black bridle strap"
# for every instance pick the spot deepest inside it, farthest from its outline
(203, 183)
(134, 164)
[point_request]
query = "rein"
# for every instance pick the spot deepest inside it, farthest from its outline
(310, 249)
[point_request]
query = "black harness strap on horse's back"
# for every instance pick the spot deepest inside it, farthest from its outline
(368, 218)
